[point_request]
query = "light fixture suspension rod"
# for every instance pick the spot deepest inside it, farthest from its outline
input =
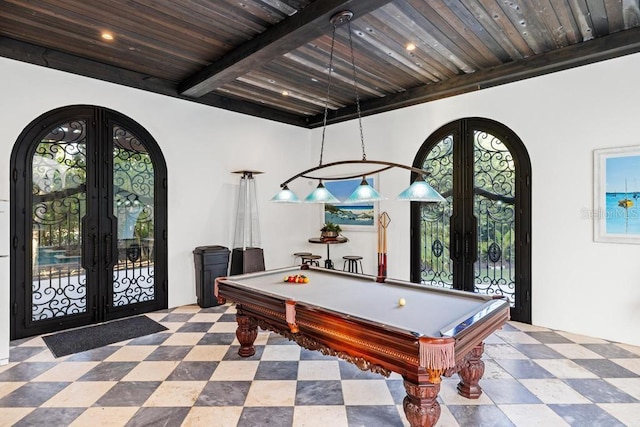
(355, 86)
(387, 165)
(326, 104)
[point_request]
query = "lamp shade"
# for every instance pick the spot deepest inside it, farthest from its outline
(420, 191)
(321, 195)
(285, 196)
(364, 193)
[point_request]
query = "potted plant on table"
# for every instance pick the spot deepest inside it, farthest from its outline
(330, 230)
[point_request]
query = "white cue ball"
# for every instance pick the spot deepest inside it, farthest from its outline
(401, 302)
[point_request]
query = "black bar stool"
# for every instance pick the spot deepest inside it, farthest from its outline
(297, 255)
(311, 259)
(351, 263)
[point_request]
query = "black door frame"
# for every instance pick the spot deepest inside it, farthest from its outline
(463, 219)
(102, 245)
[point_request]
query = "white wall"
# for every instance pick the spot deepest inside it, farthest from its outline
(578, 285)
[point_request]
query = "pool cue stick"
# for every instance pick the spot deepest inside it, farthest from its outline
(379, 247)
(383, 222)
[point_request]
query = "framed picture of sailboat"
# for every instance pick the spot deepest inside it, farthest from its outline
(617, 195)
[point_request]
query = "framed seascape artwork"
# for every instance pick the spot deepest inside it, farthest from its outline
(616, 211)
(349, 216)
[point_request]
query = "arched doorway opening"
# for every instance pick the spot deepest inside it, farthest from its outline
(480, 240)
(88, 221)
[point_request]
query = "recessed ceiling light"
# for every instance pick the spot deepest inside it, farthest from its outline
(107, 36)
(410, 47)
(285, 93)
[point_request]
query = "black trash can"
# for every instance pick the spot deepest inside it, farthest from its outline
(211, 262)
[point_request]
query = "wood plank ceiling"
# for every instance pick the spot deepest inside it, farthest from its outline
(244, 55)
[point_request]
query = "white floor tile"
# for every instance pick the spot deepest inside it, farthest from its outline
(532, 415)
(565, 368)
(631, 386)
(574, 351)
(318, 370)
(631, 364)
(281, 352)
(224, 416)
(366, 392)
(271, 393)
(104, 417)
(176, 393)
(232, 370)
(626, 413)
(320, 416)
(553, 391)
(449, 395)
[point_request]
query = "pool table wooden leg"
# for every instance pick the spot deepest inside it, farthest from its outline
(420, 405)
(471, 370)
(246, 333)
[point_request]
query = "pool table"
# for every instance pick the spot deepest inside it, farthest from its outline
(360, 319)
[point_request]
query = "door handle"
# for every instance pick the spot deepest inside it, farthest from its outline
(457, 246)
(108, 250)
(94, 243)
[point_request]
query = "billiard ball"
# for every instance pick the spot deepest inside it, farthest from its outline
(401, 302)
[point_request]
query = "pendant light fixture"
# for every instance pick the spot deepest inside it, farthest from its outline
(420, 190)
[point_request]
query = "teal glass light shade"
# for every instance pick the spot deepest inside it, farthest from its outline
(285, 196)
(364, 193)
(420, 191)
(321, 195)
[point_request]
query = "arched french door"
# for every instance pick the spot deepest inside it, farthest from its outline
(480, 240)
(88, 221)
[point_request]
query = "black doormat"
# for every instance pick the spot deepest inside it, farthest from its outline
(83, 339)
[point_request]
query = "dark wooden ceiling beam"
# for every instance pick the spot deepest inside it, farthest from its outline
(306, 25)
(599, 49)
(26, 52)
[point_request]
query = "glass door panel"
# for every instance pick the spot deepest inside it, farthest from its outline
(133, 208)
(494, 207)
(436, 267)
(59, 205)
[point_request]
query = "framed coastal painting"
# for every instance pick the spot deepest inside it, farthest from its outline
(616, 211)
(358, 217)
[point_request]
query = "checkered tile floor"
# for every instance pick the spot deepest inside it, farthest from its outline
(191, 375)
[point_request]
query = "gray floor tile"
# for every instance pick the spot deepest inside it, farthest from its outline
(217, 339)
(549, 337)
(504, 391)
(605, 368)
(153, 339)
(523, 368)
(537, 351)
(479, 416)
(193, 371)
(224, 393)
(25, 371)
(109, 371)
(158, 417)
(373, 416)
(268, 416)
(585, 415)
(169, 352)
(195, 327)
(50, 417)
(277, 370)
(319, 393)
(128, 393)
(610, 351)
(32, 394)
(600, 391)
